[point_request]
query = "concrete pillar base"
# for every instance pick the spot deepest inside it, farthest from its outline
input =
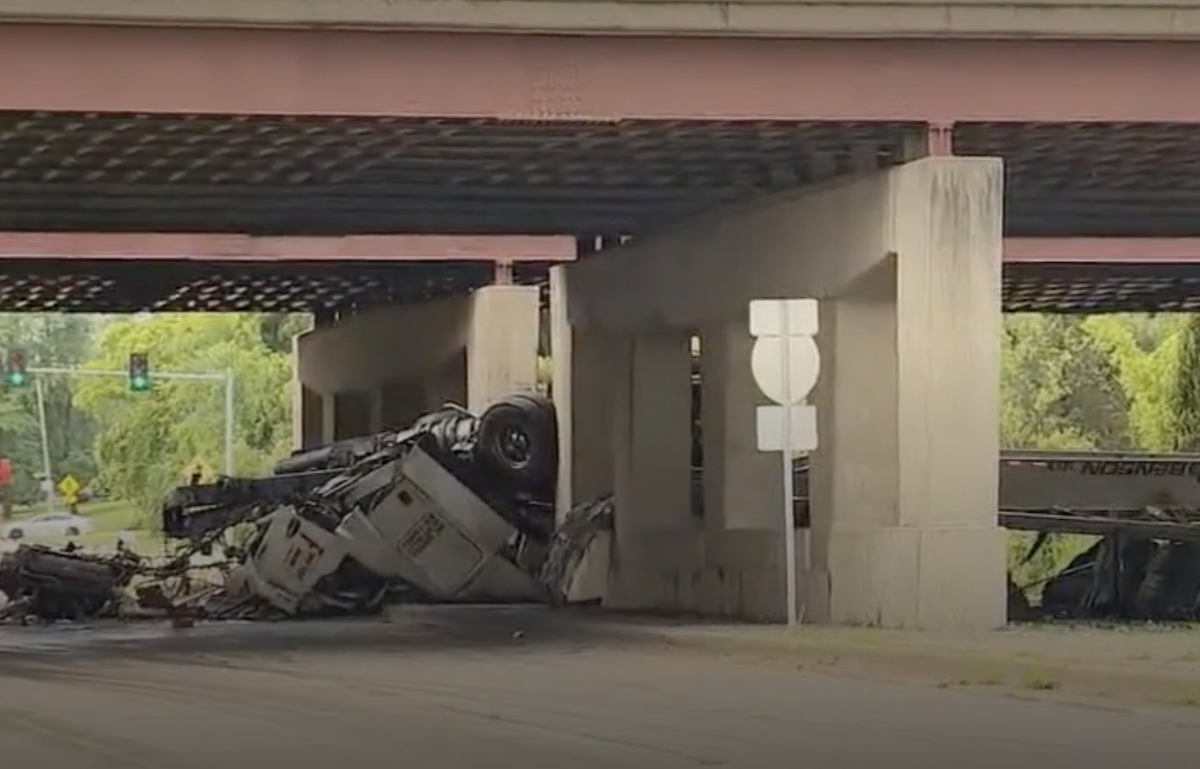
(736, 574)
(645, 567)
(896, 577)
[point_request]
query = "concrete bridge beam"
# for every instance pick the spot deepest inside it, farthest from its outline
(380, 369)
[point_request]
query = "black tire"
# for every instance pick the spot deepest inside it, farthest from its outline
(518, 442)
(15, 534)
(72, 531)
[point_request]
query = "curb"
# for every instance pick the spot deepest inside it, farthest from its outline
(944, 666)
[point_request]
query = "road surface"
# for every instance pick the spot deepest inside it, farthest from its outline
(460, 688)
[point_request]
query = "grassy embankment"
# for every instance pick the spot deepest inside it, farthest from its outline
(108, 518)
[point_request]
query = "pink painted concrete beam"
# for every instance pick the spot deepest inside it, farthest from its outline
(544, 77)
(1102, 250)
(218, 247)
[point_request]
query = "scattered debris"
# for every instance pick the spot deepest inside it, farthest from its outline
(60, 584)
(458, 507)
(1125, 577)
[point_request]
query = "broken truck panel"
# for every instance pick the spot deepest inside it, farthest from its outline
(427, 529)
(1110, 481)
(292, 556)
(1105, 481)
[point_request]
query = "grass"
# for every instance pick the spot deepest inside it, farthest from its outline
(109, 517)
(1042, 682)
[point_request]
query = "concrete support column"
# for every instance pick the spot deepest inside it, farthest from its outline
(401, 403)
(651, 417)
(742, 486)
(328, 419)
(650, 424)
(501, 344)
(743, 521)
(581, 385)
(448, 383)
(905, 484)
(308, 420)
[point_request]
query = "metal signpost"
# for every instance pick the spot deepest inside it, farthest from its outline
(225, 377)
(48, 481)
(786, 363)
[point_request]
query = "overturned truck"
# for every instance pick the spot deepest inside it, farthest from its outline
(458, 507)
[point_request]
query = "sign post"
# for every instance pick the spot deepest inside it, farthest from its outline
(786, 363)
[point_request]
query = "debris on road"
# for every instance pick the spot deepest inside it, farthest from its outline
(60, 584)
(458, 507)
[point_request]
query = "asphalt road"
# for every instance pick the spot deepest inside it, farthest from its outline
(461, 688)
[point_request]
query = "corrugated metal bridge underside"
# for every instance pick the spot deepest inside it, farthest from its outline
(169, 286)
(331, 176)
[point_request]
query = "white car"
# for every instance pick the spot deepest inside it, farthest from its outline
(47, 524)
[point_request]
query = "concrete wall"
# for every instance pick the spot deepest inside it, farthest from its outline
(904, 486)
(382, 368)
(778, 18)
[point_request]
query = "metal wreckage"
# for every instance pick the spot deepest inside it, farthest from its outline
(458, 507)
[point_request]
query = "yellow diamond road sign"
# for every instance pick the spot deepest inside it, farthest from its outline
(69, 488)
(199, 470)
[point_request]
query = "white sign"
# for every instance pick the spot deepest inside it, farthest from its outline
(786, 364)
(802, 423)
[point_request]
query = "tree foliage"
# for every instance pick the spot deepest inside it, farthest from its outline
(49, 340)
(1184, 393)
(149, 442)
(1148, 365)
(1060, 389)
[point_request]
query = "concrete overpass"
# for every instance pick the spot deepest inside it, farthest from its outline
(880, 156)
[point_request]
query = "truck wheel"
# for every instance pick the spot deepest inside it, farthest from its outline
(72, 531)
(15, 534)
(518, 440)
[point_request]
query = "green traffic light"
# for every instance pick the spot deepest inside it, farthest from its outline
(139, 384)
(16, 378)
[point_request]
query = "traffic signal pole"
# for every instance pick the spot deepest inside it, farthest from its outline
(225, 377)
(47, 470)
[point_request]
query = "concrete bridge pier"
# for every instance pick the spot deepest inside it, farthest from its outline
(904, 488)
(382, 368)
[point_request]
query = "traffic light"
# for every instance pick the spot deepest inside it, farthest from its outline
(16, 373)
(139, 372)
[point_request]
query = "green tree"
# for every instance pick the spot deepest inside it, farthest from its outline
(148, 442)
(1184, 398)
(1059, 388)
(1147, 359)
(49, 340)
